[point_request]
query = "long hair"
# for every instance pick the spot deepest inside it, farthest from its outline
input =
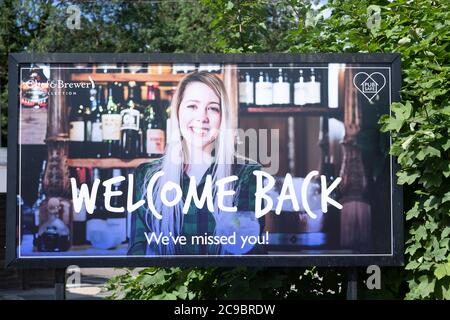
(176, 158)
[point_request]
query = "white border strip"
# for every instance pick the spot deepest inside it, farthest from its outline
(221, 256)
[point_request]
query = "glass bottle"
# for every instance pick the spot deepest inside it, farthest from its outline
(313, 89)
(300, 90)
(246, 87)
(129, 130)
(281, 89)
(111, 124)
(97, 109)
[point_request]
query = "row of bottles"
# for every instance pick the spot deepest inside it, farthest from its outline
(103, 228)
(285, 87)
(35, 87)
(106, 125)
(261, 87)
(134, 68)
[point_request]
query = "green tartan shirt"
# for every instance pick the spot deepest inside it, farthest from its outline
(197, 221)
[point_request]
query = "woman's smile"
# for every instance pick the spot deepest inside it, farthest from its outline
(199, 130)
(200, 116)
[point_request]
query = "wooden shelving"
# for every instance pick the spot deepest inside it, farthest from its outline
(107, 162)
(291, 110)
(125, 77)
(169, 79)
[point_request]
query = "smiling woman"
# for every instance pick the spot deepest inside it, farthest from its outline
(200, 117)
(202, 144)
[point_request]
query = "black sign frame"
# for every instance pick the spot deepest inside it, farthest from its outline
(12, 259)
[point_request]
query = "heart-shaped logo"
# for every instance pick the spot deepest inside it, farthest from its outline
(369, 84)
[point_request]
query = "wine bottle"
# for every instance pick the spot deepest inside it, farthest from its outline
(98, 105)
(79, 219)
(140, 95)
(183, 68)
(154, 131)
(81, 68)
(167, 111)
(136, 68)
(117, 201)
(269, 87)
(108, 68)
(111, 124)
(210, 67)
(263, 90)
(118, 95)
(117, 221)
(99, 210)
(246, 87)
(77, 131)
(40, 198)
(129, 130)
(313, 89)
(87, 147)
(281, 89)
(300, 90)
(154, 135)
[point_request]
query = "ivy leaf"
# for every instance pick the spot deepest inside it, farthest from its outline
(394, 124)
(411, 250)
(170, 296)
(445, 288)
(445, 232)
(420, 233)
(426, 286)
(446, 111)
(446, 170)
(412, 213)
(230, 5)
(431, 203)
(439, 254)
(442, 270)
(402, 110)
(182, 292)
(404, 40)
(412, 265)
(446, 197)
(406, 143)
(428, 151)
(406, 177)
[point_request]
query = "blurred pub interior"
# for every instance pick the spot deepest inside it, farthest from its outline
(312, 106)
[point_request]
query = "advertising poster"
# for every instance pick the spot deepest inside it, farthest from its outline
(165, 159)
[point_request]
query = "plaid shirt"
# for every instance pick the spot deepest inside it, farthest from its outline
(197, 221)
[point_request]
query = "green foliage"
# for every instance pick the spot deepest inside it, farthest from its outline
(227, 283)
(251, 26)
(420, 128)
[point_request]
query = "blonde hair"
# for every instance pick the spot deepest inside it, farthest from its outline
(176, 158)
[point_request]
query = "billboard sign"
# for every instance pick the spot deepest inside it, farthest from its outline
(214, 159)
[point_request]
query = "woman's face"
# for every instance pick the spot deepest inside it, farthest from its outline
(199, 115)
